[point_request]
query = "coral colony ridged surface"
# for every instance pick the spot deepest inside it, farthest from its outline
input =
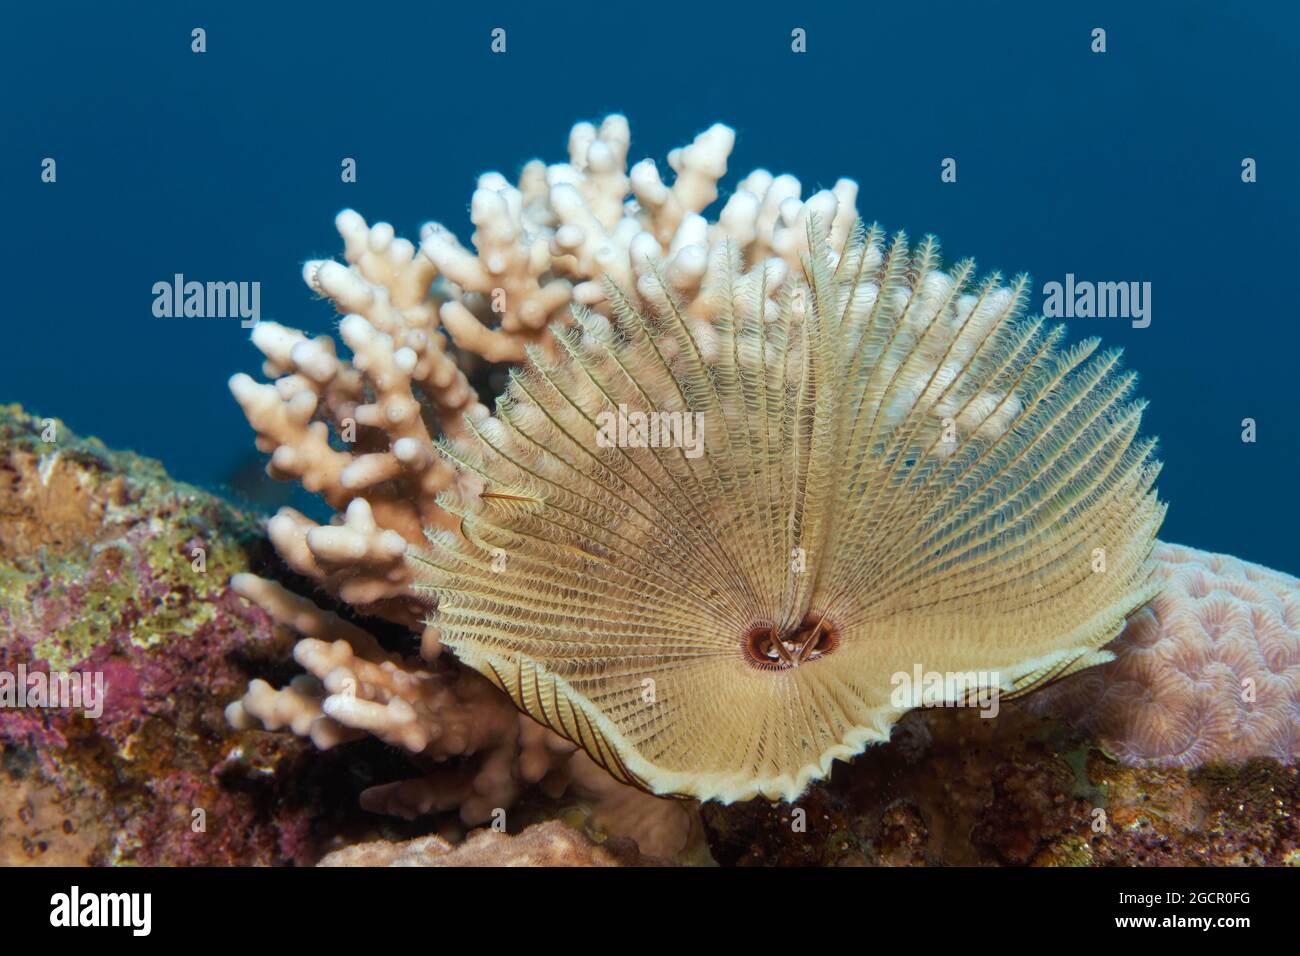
(1208, 672)
(746, 469)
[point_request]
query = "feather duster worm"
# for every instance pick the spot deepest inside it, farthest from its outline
(896, 470)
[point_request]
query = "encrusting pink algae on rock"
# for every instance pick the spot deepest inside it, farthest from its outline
(108, 567)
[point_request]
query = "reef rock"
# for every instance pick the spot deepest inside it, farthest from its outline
(955, 789)
(114, 573)
(542, 844)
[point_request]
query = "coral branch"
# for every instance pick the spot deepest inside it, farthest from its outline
(437, 713)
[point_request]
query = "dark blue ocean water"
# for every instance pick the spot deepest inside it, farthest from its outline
(1122, 166)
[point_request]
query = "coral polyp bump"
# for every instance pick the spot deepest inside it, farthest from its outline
(892, 468)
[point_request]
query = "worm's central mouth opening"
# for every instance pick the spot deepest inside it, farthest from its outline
(814, 638)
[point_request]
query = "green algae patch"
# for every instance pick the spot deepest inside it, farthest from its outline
(109, 567)
(99, 545)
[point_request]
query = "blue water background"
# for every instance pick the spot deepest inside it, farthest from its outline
(225, 166)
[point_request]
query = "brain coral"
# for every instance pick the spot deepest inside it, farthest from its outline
(1208, 671)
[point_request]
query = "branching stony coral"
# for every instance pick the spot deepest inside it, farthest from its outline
(539, 247)
(986, 468)
(437, 713)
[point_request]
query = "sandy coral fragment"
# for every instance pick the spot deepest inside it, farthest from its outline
(542, 844)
